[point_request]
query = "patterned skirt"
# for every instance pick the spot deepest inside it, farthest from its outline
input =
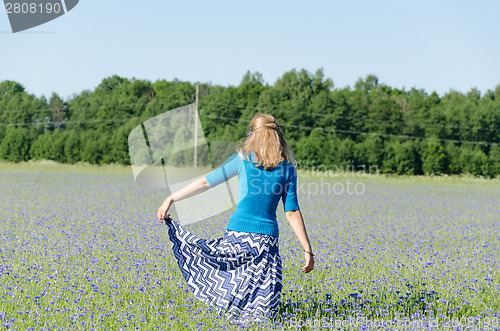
(239, 275)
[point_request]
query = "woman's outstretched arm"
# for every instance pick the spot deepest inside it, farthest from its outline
(224, 172)
(196, 187)
(297, 223)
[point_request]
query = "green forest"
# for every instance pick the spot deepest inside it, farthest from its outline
(366, 126)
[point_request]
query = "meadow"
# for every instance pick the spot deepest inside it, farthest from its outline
(81, 250)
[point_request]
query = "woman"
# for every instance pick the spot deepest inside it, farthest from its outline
(240, 273)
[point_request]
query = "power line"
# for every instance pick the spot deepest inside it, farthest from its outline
(239, 119)
(48, 110)
(362, 132)
(273, 110)
(78, 122)
(85, 108)
(357, 118)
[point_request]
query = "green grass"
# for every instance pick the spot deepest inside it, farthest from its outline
(80, 249)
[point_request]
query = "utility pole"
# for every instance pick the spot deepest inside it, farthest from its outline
(196, 128)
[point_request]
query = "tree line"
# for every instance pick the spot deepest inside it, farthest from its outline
(367, 126)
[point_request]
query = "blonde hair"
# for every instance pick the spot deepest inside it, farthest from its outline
(267, 142)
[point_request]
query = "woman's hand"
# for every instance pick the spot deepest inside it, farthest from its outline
(309, 266)
(162, 211)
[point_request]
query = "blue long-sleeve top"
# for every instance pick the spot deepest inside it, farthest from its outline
(259, 192)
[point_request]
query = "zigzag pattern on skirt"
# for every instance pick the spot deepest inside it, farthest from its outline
(239, 275)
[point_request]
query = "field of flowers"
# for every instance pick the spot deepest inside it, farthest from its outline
(81, 249)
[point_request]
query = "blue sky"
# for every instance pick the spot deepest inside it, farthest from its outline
(434, 45)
